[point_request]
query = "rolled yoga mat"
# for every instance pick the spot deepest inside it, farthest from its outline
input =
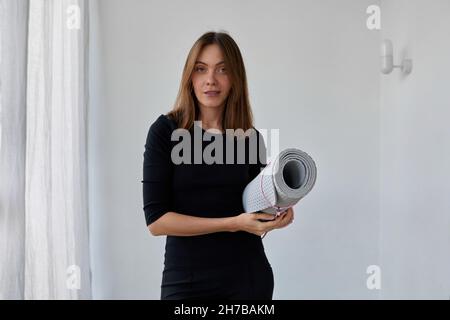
(282, 183)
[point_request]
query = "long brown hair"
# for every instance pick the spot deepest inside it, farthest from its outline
(237, 112)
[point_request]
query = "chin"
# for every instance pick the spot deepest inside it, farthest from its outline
(210, 104)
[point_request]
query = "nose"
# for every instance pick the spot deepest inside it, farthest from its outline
(210, 79)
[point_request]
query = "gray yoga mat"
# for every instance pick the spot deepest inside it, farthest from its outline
(284, 181)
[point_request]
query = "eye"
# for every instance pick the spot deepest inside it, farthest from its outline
(222, 70)
(199, 69)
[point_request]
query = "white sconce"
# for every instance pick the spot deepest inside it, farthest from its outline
(387, 59)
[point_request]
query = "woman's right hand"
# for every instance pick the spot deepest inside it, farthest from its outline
(250, 222)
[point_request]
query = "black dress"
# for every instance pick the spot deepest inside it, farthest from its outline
(218, 265)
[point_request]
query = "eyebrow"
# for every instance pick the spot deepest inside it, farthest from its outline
(221, 62)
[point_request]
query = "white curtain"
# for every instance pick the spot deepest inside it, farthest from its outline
(47, 256)
(13, 36)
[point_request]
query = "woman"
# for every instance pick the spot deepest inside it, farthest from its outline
(213, 249)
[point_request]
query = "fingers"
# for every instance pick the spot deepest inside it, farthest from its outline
(269, 222)
(264, 216)
(289, 214)
(286, 218)
(270, 225)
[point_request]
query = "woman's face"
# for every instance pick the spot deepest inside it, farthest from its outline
(210, 78)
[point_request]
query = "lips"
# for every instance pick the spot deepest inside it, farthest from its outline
(212, 93)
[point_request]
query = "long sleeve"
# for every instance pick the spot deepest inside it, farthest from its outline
(255, 169)
(199, 190)
(157, 170)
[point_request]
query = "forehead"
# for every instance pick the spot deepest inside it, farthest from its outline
(211, 54)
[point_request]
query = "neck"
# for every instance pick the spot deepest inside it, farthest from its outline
(211, 117)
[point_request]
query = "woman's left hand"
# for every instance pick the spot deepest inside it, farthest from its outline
(285, 218)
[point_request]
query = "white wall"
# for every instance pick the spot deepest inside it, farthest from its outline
(415, 153)
(313, 73)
